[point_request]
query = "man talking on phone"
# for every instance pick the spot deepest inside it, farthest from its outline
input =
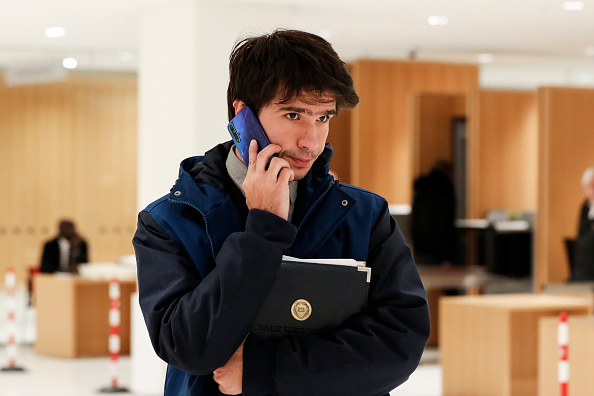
(209, 251)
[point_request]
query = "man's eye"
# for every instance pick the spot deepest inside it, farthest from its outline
(324, 118)
(292, 116)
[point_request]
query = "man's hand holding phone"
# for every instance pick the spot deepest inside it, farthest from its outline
(267, 189)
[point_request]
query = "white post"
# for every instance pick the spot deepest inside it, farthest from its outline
(11, 346)
(114, 337)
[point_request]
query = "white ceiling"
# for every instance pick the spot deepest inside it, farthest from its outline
(516, 32)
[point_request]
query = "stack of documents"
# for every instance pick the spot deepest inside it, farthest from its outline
(313, 296)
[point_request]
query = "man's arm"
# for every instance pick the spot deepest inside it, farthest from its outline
(371, 354)
(197, 324)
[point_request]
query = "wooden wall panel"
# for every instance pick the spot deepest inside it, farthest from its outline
(115, 170)
(432, 116)
(67, 149)
(502, 144)
(380, 135)
(566, 145)
(340, 138)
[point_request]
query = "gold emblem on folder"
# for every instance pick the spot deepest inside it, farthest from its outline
(301, 309)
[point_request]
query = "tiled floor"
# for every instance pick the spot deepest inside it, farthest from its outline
(50, 376)
(426, 380)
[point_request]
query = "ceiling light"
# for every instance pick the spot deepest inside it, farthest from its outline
(484, 58)
(589, 51)
(54, 32)
(69, 63)
(573, 5)
(435, 20)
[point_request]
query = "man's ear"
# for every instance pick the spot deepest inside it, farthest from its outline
(238, 105)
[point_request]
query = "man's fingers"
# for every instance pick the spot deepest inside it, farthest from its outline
(252, 153)
(286, 175)
(276, 166)
(263, 157)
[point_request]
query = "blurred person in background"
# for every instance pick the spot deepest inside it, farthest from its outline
(433, 215)
(64, 252)
(584, 245)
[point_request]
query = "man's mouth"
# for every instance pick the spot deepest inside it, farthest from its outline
(301, 162)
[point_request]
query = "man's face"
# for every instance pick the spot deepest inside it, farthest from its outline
(67, 230)
(300, 127)
(589, 190)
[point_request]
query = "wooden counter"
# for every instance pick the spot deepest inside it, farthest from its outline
(489, 344)
(73, 315)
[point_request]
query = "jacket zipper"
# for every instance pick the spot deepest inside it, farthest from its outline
(205, 225)
(315, 204)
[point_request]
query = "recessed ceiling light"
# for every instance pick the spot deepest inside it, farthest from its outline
(69, 63)
(438, 20)
(55, 31)
(484, 58)
(573, 5)
(589, 51)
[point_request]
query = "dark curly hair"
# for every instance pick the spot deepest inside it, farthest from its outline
(289, 63)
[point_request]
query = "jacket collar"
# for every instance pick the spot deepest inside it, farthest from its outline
(205, 185)
(203, 181)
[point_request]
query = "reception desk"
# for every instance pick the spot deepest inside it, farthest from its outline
(73, 315)
(489, 344)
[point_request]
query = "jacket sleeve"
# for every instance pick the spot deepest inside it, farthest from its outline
(197, 323)
(370, 354)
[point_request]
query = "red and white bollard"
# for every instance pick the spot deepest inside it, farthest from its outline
(114, 337)
(563, 342)
(11, 346)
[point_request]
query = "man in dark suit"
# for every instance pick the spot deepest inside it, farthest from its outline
(64, 252)
(584, 245)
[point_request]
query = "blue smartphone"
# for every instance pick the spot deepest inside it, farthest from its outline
(244, 128)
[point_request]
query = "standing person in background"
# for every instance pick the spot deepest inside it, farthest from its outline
(208, 252)
(433, 215)
(586, 222)
(584, 245)
(66, 251)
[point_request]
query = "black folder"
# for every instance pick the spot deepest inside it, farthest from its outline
(312, 297)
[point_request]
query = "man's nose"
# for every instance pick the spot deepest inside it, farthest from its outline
(308, 137)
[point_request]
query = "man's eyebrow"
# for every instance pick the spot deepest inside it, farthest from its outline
(294, 109)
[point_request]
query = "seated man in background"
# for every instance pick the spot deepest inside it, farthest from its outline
(65, 251)
(584, 245)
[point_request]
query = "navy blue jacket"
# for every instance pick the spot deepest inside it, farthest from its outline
(206, 264)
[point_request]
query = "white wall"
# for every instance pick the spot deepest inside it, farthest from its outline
(531, 76)
(167, 85)
(183, 75)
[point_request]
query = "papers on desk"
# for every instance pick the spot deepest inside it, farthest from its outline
(106, 271)
(498, 225)
(478, 224)
(400, 209)
(511, 225)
